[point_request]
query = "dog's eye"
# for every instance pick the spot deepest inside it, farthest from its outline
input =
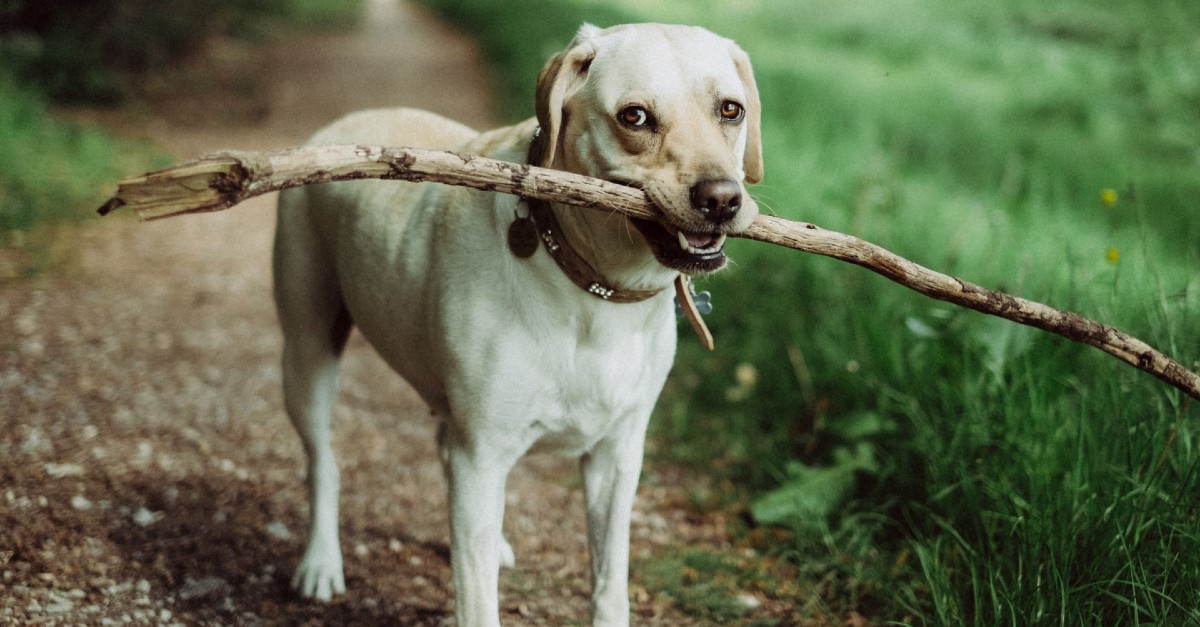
(732, 111)
(636, 116)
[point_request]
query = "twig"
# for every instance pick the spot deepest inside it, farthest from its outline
(222, 180)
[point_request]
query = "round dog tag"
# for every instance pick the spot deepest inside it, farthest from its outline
(522, 237)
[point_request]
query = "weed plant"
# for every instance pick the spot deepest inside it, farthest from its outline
(942, 467)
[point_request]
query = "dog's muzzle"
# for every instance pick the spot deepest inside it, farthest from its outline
(697, 248)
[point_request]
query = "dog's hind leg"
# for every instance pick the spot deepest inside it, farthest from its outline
(315, 327)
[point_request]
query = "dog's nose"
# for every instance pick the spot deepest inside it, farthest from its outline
(717, 199)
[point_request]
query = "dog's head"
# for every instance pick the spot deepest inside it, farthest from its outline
(673, 110)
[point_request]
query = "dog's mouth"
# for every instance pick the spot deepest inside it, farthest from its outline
(686, 251)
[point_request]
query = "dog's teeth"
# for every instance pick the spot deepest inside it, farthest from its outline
(687, 246)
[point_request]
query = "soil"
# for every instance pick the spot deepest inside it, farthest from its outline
(148, 474)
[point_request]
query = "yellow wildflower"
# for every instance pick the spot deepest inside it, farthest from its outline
(1108, 197)
(1113, 255)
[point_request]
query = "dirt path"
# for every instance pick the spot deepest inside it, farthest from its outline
(147, 472)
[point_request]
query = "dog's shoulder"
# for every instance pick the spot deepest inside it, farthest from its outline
(509, 143)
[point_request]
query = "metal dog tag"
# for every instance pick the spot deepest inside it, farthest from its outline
(522, 237)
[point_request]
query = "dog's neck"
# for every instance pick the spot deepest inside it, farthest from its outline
(588, 250)
(579, 268)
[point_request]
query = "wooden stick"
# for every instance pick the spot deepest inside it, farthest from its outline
(223, 180)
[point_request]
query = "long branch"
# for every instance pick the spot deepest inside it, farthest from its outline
(223, 180)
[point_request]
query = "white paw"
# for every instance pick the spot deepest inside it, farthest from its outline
(508, 559)
(319, 575)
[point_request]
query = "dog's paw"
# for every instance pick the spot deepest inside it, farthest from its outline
(319, 576)
(508, 559)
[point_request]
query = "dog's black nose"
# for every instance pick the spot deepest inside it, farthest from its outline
(717, 199)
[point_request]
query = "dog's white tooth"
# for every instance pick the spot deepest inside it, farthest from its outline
(683, 243)
(720, 241)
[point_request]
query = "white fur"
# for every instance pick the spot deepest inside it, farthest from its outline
(508, 352)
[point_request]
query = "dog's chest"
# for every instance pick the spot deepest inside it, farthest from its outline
(572, 390)
(596, 393)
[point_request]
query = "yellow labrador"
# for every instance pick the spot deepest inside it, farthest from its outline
(524, 326)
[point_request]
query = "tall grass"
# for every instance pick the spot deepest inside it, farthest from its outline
(944, 467)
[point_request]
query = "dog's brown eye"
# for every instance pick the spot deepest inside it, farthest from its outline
(636, 116)
(732, 111)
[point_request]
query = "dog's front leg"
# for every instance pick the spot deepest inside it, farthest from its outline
(610, 478)
(476, 480)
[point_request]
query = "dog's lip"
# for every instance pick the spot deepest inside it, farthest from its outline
(679, 249)
(695, 243)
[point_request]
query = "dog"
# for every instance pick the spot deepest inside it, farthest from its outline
(525, 326)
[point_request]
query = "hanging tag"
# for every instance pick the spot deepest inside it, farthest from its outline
(683, 297)
(522, 236)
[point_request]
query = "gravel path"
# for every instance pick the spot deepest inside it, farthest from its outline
(148, 474)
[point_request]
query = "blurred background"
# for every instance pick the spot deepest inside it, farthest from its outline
(910, 460)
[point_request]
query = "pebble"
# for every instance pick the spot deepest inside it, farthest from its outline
(749, 601)
(276, 529)
(118, 588)
(203, 587)
(58, 471)
(60, 606)
(144, 517)
(81, 503)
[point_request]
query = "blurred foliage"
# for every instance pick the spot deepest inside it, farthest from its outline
(83, 50)
(89, 52)
(50, 169)
(540, 30)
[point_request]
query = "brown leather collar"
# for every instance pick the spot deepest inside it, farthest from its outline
(573, 264)
(568, 259)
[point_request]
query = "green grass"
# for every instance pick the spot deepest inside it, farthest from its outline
(935, 466)
(52, 171)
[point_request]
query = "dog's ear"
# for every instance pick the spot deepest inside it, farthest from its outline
(562, 75)
(752, 159)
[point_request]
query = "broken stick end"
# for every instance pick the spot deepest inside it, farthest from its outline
(112, 205)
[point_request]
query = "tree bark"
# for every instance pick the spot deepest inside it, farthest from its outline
(223, 180)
